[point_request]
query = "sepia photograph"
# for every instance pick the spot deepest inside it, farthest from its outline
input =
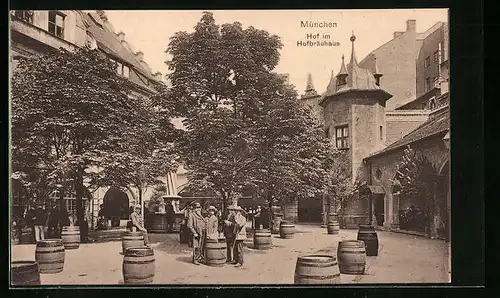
(229, 147)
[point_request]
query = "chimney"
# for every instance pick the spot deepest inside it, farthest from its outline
(139, 56)
(397, 34)
(411, 26)
(121, 36)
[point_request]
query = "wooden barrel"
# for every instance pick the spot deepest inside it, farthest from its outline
(24, 273)
(333, 227)
(317, 269)
(26, 236)
(333, 217)
(132, 239)
(49, 254)
(277, 218)
(158, 223)
(262, 239)
(351, 255)
(71, 237)
(138, 265)
(287, 230)
(368, 234)
(249, 232)
(216, 252)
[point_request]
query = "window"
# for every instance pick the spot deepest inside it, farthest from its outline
(25, 15)
(121, 69)
(427, 62)
(427, 84)
(432, 103)
(126, 71)
(342, 137)
(435, 57)
(381, 130)
(56, 23)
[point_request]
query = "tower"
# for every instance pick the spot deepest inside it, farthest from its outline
(312, 98)
(354, 112)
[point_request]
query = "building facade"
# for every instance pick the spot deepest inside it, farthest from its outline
(40, 32)
(357, 120)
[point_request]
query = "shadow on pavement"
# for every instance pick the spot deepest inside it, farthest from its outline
(185, 259)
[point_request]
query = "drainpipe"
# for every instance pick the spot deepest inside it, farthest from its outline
(370, 200)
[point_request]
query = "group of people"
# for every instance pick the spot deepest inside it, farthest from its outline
(204, 229)
(54, 219)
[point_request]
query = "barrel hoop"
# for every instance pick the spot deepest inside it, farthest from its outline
(131, 277)
(48, 252)
(138, 262)
(318, 277)
(318, 265)
(360, 252)
(49, 244)
(40, 262)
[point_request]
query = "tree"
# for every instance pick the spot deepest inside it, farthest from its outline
(340, 188)
(77, 106)
(149, 154)
(418, 180)
(216, 75)
(245, 126)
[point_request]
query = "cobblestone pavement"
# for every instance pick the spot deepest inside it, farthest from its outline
(402, 259)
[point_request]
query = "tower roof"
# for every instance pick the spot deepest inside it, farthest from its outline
(358, 79)
(343, 70)
(310, 91)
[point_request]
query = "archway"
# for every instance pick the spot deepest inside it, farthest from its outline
(115, 206)
(376, 204)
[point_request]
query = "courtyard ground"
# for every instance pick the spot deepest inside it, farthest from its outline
(402, 259)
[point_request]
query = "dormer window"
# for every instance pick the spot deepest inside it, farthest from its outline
(432, 103)
(121, 69)
(56, 23)
(25, 15)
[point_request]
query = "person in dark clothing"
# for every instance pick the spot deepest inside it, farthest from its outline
(40, 222)
(53, 226)
(264, 218)
(257, 218)
(29, 218)
(170, 217)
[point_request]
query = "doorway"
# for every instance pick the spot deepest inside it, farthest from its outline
(311, 210)
(379, 208)
(116, 206)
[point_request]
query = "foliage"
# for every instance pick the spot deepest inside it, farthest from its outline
(417, 179)
(70, 110)
(340, 187)
(244, 125)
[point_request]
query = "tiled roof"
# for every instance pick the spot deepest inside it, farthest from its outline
(439, 123)
(107, 41)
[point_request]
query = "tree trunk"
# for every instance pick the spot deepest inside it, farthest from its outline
(80, 212)
(140, 202)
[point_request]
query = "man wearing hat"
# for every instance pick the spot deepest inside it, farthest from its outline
(238, 222)
(229, 232)
(196, 224)
(138, 222)
(212, 224)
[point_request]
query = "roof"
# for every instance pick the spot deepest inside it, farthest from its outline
(374, 189)
(109, 43)
(358, 79)
(438, 123)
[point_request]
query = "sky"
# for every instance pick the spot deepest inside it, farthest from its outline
(150, 30)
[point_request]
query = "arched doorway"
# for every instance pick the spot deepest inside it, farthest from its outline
(115, 206)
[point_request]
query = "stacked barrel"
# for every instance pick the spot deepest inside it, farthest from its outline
(333, 224)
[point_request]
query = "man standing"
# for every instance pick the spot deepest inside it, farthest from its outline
(257, 221)
(40, 222)
(212, 224)
(229, 233)
(54, 223)
(238, 223)
(138, 222)
(196, 224)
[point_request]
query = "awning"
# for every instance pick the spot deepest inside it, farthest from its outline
(372, 189)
